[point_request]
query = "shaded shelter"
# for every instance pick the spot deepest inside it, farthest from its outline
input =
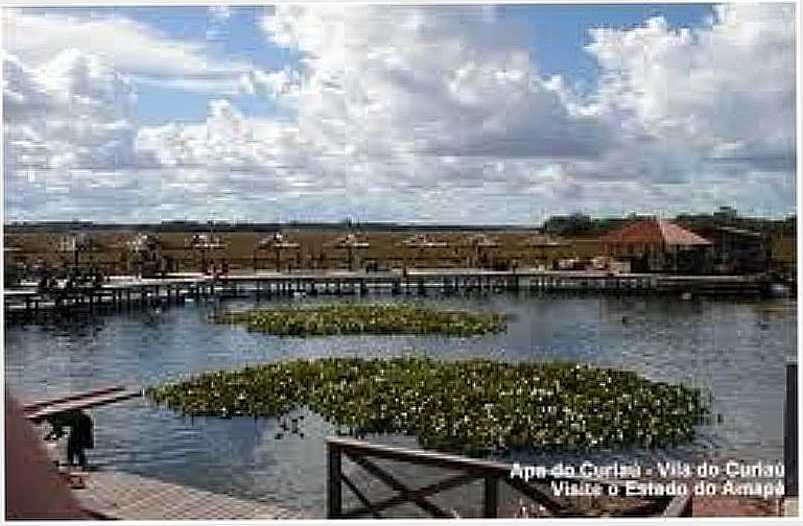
(144, 255)
(75, 244)
(480, 245)
(422, 244)
(278, 243)
(547, 248)
(350, 242)
(657, 245)
(206, 245)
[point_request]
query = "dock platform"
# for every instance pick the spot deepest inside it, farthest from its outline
(126, 292)
(126, 496)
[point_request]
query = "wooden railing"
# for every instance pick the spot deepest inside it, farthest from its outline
(467, 470)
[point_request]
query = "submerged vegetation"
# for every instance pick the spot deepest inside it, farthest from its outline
(471, 407)
(373, 318)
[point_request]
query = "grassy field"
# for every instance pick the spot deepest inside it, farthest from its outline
(317, 249)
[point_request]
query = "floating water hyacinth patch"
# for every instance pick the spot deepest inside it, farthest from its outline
(374, 318)
(472, 407)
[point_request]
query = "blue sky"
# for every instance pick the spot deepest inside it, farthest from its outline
(558, 34)
(508, 114)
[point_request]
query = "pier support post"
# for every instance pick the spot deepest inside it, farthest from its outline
(334, 503)
(790, 432)
(490, 498)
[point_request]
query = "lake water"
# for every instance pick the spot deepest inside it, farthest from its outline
(735, 350)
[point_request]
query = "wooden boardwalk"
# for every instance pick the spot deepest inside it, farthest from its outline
(125, 292)
(125, 496)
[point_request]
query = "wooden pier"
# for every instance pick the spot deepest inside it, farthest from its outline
(126, 496)
(124, 294)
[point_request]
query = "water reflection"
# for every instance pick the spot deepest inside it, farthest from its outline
(735, 350)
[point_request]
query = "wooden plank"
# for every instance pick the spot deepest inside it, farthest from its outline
(362, 498)
(490, 499)
(417, 456)
(395, 484)
(679, 506)
(554, 507)
(334, 503)
(426, 491)
(790, 443)
(32, 406)
(82, 403)
(127, 496)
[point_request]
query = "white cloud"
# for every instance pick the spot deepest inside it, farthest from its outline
(436, 81)
(128, 46)
(67, 129)
(724, 92)
(72, 111)
(432, 113)
(220, 13)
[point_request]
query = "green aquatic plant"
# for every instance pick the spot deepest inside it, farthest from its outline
(472, 407)
(371, 318)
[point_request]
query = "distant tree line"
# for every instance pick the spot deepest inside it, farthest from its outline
(582, 225)
(573, 225)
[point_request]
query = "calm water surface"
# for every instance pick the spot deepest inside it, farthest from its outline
(735, 350)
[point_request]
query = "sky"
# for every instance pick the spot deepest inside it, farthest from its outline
(477, 114)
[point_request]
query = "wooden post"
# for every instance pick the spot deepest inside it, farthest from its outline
(491, 498)
(334, 503)
(790, 431)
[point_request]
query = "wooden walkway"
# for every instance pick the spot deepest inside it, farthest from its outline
(125, 496)
(41, 410)
(124, 292)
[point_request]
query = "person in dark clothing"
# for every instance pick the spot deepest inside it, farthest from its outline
(57, 424)
(44, 284)
(81, 438)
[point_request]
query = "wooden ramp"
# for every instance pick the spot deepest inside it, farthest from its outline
(41, 410)
(125, 496)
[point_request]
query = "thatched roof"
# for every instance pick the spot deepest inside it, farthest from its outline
(349, 241)
(654, 232)
(424, 241)
(276, 240)
(545, 240)
(206, 242)
(480, 240)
